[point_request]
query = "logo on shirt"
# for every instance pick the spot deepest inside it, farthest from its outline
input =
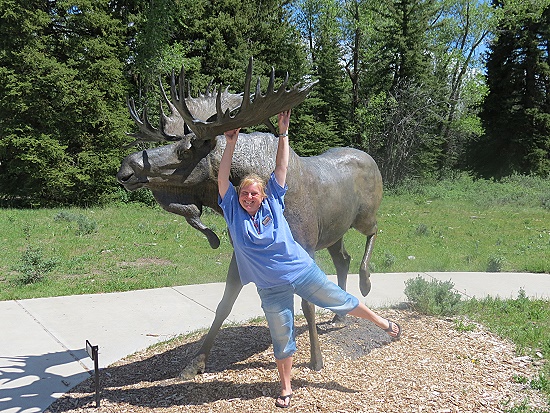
(266, 220)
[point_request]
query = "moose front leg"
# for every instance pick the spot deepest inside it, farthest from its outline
(233, 287)
(364, 273)
(316, 360)
(192, 214)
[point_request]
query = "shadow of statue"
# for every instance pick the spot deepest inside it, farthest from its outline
(24, 379)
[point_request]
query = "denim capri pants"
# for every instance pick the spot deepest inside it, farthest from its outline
(278, 305)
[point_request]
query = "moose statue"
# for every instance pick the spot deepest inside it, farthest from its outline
(327, 194)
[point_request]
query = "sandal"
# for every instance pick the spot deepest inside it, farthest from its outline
(285, 404)
(389, 330)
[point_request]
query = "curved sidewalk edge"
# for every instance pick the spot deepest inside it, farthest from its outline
(42, 345)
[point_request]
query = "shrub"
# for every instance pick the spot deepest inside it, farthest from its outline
(85, 224)
(389, 260)
(432, 297)
(33, 266)
(495, 264)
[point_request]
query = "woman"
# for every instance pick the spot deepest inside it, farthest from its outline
(268, 255)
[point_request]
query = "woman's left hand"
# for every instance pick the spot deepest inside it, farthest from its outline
(284, 121)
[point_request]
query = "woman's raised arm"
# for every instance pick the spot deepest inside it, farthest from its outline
(225, 163)
(283, 148)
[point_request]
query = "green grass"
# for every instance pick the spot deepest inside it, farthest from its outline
(459, 225)
(526, 322)
(132, 247)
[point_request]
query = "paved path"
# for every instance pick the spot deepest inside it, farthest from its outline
(42, 341)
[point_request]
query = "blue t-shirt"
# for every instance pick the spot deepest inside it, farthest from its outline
(266, 252)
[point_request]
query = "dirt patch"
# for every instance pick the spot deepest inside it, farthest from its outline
(142, 262)
(433, 368)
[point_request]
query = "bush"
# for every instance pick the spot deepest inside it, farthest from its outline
(495, 264)
(33, 266)
(85, 224)
(432, 297)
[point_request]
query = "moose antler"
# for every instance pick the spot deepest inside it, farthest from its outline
(171, 127)
(254, 110)
(212, 113)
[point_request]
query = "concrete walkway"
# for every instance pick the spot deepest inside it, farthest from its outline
(42, 341)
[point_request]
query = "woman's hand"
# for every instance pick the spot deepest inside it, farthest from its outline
(232, 135)
(283, 119)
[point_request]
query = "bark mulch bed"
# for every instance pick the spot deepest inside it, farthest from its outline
(435, 367)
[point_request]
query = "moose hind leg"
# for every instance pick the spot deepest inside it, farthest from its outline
(233, 287)
(316, 360)
(364, 272)
(341, 260)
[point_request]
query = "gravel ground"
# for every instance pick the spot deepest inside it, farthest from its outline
(435, 367)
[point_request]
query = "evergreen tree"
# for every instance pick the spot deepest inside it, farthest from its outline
(400, 111)
(214, 41)
(221, 36)
(401, 42)
(516, 112)
(62, 92)
(326, 113)
(359, 22)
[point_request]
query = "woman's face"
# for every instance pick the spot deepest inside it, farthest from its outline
(250, 198)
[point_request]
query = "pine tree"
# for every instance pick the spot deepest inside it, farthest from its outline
(516, 112)
(62, 92)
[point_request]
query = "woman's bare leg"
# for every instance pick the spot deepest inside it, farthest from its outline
(285, 369)
(362, 311)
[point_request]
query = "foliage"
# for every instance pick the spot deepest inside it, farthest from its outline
(327, 114)
(401, 79)
(85, 224)
(432, 297)
(516, 112)
(62, 91)
(402, 44)
(222, 35)
(33, 267)
(398, 128)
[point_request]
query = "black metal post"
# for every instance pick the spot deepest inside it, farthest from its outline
(93, 352)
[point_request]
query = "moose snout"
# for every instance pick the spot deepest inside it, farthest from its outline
(128, 174)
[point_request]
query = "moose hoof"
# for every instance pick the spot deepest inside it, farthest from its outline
(196, 366)
(213, 239)
(338, 319)
(316, 365)
(364, 285)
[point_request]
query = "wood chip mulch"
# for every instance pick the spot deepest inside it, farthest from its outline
(435, 367)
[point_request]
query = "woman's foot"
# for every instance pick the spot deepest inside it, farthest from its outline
(394, 330)
(283, 401)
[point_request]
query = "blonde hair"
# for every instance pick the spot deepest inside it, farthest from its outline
(253, 179)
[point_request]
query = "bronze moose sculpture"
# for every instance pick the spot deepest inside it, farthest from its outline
(328, 194)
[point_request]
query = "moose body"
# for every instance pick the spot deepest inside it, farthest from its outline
(327, 194)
